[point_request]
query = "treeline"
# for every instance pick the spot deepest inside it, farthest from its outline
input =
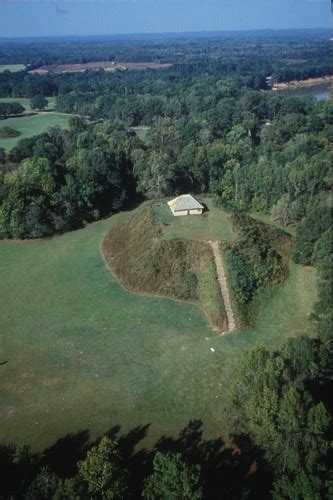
(256, 151)
(11, 109)
(105, 471)
(65, 180)
(250, 57)
(252, 150)
(301, 71)
(283, 400)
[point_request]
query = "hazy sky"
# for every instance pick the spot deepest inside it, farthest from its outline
(82, 17)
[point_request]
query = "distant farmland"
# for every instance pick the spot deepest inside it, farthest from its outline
(11, 67)
(106, 65)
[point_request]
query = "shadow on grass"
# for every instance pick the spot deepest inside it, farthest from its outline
(64, 454)
(227, 472)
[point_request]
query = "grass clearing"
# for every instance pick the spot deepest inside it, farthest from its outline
(82, 353)
(25, 101)
(30, 126)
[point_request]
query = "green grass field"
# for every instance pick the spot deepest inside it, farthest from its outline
(212, 225)
(11, 67)
(25, 101)
(30, 126)
(82, 353)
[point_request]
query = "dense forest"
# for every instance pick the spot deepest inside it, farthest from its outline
(211, 126)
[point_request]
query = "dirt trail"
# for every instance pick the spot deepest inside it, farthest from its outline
(223, 285)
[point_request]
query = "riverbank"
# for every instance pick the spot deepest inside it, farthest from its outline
(303, 83)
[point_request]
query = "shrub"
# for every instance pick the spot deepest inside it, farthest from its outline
(8, 132)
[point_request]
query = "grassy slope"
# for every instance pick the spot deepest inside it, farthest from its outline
(30, 126)
(85, 354)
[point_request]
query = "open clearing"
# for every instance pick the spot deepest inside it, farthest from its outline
(30, 126)
(82, 353)
(25, 101)
(11, 67)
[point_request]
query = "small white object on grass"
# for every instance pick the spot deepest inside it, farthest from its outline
(212, 349)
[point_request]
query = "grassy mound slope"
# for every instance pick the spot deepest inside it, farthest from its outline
(146, 263)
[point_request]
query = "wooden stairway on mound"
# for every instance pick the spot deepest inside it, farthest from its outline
(223, 286)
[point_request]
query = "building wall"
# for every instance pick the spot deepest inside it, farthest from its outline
(177, 214)
(196, 211)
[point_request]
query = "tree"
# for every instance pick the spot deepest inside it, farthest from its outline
(71, 489)
(16, 108)
(43, 486)
(173, 479)
(300, 485)
(104, 472)
(2, 155)
(11, 108)
(38, 102)
(309, 232)
(154, 174)
(280, 416)
(281, 211)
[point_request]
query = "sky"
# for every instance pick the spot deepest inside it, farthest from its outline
(106, 17)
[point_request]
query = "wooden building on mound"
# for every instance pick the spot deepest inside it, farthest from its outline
(185, 204)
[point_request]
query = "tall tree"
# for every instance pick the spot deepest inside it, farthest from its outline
(38, 102)
(104, 472)
(173, 479)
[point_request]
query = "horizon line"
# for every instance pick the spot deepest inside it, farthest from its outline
(319, 28)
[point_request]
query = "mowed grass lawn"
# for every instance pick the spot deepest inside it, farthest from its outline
(82, 353)
(30, 126)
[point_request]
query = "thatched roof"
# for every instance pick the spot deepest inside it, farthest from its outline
(184, 202)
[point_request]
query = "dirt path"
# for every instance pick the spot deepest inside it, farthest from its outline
(223, 285)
